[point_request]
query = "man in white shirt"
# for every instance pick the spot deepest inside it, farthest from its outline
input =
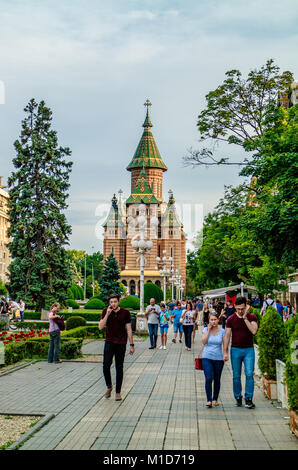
(13, 307)
(152, 312)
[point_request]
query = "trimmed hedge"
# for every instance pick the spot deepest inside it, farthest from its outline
(94, 304)
(83, 332)
(292, 369)
(74, 322)
(3, 325)
(42, 325)
(152, 290)
(88, 316)
(130, 301)
(271, 342)
(14, 352)
(72, 303)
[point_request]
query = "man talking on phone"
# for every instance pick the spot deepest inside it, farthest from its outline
(152, 313)
(117, 322)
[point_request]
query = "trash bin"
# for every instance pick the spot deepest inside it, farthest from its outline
(133, 320)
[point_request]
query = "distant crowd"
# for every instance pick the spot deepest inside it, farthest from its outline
(14, 308)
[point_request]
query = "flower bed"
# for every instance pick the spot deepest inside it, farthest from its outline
(7, 337)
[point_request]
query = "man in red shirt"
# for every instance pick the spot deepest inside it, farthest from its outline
(242, 326)
(118, 328)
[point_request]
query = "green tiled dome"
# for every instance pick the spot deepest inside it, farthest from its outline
(147, 153)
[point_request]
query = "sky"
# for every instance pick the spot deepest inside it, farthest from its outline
(96, 62)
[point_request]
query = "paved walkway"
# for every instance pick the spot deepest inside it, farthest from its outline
(163, 406)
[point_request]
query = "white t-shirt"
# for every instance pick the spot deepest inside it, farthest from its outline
(188, 317)
(268, 303)
(152, 317)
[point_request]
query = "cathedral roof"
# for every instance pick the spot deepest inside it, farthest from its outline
(115, 217)
(147, 153)
(170, 217)
(142, 192)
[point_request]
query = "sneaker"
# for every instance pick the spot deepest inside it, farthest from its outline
(180, 341)
(249, 403)
(161, 347)
(238, 401)
(165, 347)
(152, 347)
(173, 340)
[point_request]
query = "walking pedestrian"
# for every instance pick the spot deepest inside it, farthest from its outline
(54, 330)
(288, 311)
(177, 312)
(117, 322)
(152, 312)
(187, 320)
(195, 324)
(267, 303)
(3, 306)
(280, 308)
(242, 326)
(212, 358)
(164, 318)
(226, 312)
(205, 314)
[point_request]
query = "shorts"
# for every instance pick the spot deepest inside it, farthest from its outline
(178, 326)
(163, 329)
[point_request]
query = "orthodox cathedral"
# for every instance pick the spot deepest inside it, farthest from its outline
(167, 236)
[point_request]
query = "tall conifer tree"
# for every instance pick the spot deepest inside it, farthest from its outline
(38, 187)
(109, 282)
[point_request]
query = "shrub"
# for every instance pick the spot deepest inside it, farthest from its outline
(29, 324)
(70, 294)
(3, 325)
(74, 322)
(94, 304)
(130, 302)
(290, 326)
(72, 303)
(152, 290)
(32, 315)
(272, 342)
(83, 332)
(292, 370)
(256, 312)
(14, 352)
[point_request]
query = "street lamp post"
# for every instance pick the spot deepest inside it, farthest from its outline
(85, 278)
(142, 247)
(164, 271)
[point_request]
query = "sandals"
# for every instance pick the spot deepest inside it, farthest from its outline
(209, 405)
(108, 393)
(118, 398)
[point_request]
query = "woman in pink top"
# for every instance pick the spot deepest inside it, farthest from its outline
(54, 347)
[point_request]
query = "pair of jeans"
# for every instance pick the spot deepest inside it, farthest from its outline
(111, 350)
(22, 315)
(212, 370)
(187, 334)
(247, 356)
(153, 329)
(54, 347)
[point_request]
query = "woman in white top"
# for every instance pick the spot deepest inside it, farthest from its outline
(187, 319)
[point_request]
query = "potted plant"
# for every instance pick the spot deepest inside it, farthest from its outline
(292, 380)
(272, 345)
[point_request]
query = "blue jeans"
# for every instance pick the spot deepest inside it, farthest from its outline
(247, 356)
(54, 348)
(187, 334)
(212, 370)
(22, 315)
(153, 328)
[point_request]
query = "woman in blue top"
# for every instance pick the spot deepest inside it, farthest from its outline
(212, 357)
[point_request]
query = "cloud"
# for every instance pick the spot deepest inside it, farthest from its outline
(95, 63)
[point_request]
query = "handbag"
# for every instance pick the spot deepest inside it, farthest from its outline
(60, 323)
(198, 360)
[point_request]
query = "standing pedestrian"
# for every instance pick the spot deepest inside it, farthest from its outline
(242, 326)
(195, 324)
(164, 318)
(177, 312)
(187, 319)
(212, 358)
(117, 322)
(54, 330)
(280, 308)
(22, 308)
(3, 306)
(152, 312)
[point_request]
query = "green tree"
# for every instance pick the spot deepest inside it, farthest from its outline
(236, 109)
(38, 228)
(109, 281)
